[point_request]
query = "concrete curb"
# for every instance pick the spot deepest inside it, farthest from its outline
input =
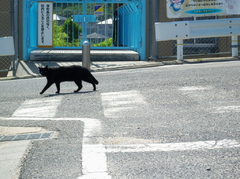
(207, 60)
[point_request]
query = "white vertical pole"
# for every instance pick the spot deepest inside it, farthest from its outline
(180, 49)
(86, 54)
(234, 46)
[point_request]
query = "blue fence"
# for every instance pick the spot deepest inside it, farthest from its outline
(127, 21)
(107, 24)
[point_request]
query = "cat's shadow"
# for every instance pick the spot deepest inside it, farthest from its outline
(72, 93)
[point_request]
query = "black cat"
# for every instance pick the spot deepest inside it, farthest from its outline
(70, 73)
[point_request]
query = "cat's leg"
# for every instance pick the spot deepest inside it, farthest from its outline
(58, 87)
(46, 87)
(90, 81)
(94, 86)
(79, 84)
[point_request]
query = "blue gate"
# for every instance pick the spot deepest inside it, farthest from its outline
(106, 24)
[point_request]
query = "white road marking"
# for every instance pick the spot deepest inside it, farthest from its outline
(209, 96)
(226, 109)
(123, 101)
(195, 88)
(94, 160)
(42, 107)
(167, 147)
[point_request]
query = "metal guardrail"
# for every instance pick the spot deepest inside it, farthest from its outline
(198, 29)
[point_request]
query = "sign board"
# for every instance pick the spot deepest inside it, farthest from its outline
(7, 46)
(45, 24)
(190, 8)
(98, 10)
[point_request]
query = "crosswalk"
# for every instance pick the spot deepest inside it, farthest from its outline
(115, 103)
(212, 99)
(41, 107)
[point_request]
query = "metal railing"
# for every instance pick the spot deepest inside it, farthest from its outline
(99, 23)
(198, 31)
(106, 24)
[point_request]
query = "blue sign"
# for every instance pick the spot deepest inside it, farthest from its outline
(203, 11)
(98, 10)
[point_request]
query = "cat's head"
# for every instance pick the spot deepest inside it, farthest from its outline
(43, 70)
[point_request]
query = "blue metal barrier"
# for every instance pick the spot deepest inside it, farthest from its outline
(106, 24)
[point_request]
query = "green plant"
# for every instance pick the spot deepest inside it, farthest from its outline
(63, 39)
(72, 29)
(59, 37)
(105, 43)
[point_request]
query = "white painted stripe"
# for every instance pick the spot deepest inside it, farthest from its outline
(94, 160)
(43, 107)
(195, 88)
(167, 147)
(123, 101)
(226, 109)
(92, 128)
(44, 119)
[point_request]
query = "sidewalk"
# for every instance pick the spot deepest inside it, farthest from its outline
(30, 69)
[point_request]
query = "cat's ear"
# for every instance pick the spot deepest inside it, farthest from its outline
(46, 67)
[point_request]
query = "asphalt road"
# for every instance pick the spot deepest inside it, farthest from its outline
(163, 122)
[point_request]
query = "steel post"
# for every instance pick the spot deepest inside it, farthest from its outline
(86, 54)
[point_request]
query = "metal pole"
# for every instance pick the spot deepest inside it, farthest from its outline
(153, 16)
(13, 35)
(234, 46)
(86, 54)
(180, 49)
(84, 25)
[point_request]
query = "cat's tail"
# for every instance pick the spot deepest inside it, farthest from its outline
(93, 79)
